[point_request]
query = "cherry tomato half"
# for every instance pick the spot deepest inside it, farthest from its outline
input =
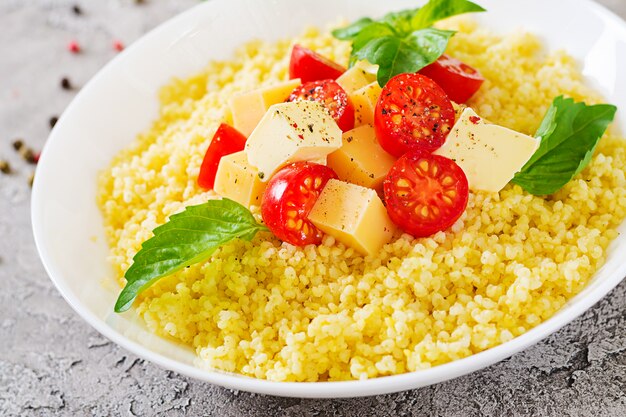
(458, 80)
(425, 193)
(311, 66)
(413, 112)
(227, 140)
(289, 197)
(332, 96)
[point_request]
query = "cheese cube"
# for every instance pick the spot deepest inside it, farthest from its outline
(353, 215)
(490, 155)
(360, 75)
(361, 160)
(290, 132)
(248, 108)
(238, 180)
(364, 101)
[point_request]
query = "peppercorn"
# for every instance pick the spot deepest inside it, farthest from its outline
(53, 121)
(5, 168)
(77, 10)
(18, 144)
(118, 46)
(66, 84)
(73, 47)
(28, 155)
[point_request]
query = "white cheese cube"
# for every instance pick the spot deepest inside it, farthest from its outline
(490, 155)
(290, 132)
(248, 108)
(353, 215)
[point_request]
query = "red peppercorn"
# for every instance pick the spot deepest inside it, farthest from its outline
(118, 46)
(73, 47)
(36, 157)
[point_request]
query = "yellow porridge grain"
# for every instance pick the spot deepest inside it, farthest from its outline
(274, 311)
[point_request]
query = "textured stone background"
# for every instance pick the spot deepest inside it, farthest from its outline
(52, 363)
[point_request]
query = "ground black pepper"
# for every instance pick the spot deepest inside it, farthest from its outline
(77, 10)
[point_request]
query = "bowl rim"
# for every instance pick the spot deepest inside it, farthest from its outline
(325, 389)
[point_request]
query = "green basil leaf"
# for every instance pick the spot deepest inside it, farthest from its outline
(569, 135)
(396, 56)
(374, 31)
(401, 21)
(436, 10)
(396, 35)
(351, 31)
(187, 238)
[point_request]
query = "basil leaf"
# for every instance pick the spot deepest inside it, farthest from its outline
(569, 135)
(396, 56)
(352, 31)
(403, 41)
(187, 238)
(436, 10)
(401, 21)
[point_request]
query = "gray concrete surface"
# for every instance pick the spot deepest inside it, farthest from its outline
(52, 363)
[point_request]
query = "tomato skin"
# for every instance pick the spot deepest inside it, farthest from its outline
(413, 112)
(226, 140)
(311, 66)
(425, 193)
(458, 80)
(288, 199)
(332, 96)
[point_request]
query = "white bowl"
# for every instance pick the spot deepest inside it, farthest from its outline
(121, 101)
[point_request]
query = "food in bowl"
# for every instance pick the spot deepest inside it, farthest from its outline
(373, 298)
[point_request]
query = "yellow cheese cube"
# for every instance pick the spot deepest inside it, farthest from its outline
(248, 108)
(353, 215)
(490, 155)
(290, 132)
(238, 180)
(360, 75)
(361, 160)
(364, 101)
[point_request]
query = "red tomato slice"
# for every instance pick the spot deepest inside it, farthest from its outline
(458, 80)
(289, 197)
(332, 96)
(311, 66)
(226, 140)
(413, 112)
(425, 193)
